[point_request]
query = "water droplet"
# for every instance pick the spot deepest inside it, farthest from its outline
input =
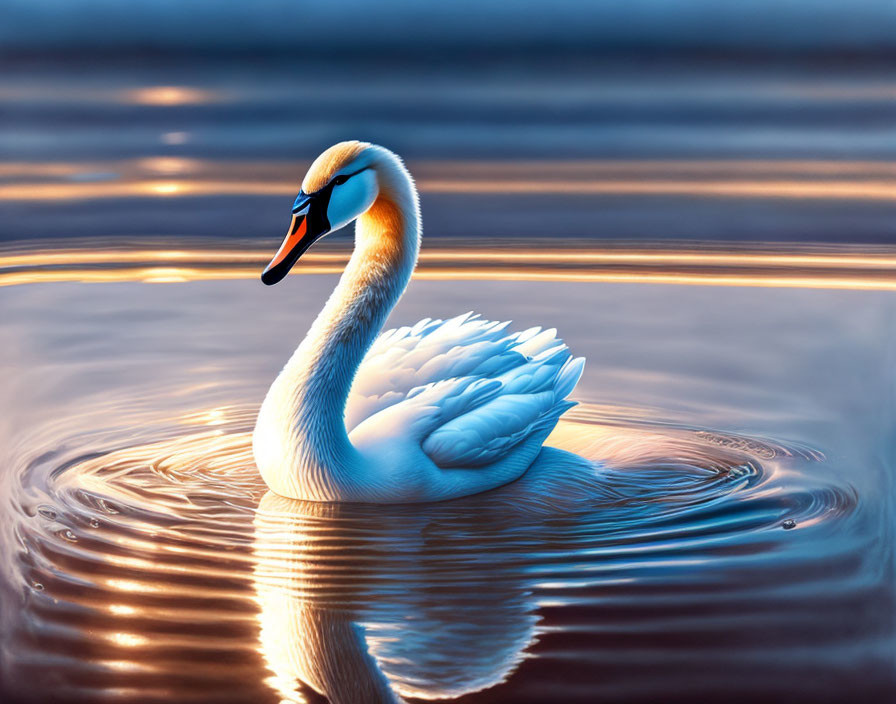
(68, 535)
(47, 513)
(37, 586)
(94, 523)
(788, 524)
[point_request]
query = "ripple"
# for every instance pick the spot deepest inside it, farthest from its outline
(163, 262)
(131, 561)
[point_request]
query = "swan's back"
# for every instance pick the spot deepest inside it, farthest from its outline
(476, 394)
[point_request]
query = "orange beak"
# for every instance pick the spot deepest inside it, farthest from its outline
(294, 245)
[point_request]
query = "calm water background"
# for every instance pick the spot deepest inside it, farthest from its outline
(641, 148)
(728, 534)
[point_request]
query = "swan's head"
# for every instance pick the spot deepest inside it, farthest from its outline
(341, 185)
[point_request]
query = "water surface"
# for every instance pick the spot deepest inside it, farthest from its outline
(714, 520)
(507, 145)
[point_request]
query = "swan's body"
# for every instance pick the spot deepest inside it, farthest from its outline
(427, 413)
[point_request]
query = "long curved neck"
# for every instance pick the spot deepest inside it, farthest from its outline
(319, 375)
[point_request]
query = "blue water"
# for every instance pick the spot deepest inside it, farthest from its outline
(807, 146)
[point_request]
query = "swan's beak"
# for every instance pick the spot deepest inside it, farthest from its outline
(304, 230)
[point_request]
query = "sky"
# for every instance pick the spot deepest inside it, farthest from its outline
(867, 26)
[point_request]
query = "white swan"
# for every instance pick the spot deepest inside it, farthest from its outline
(424, 413)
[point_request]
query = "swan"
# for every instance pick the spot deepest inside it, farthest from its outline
(430, 412)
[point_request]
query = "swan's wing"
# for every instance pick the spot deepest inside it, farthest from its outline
(473, 392)
(434, 350)
(530, 399)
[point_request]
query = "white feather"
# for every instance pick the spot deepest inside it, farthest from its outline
(489, 395)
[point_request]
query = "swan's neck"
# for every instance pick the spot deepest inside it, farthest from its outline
(317, 379)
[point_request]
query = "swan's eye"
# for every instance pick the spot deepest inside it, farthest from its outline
(339, 180)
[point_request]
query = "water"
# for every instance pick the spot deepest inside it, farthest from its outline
(533, 147)
(714, 521)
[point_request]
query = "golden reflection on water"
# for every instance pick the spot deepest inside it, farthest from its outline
(211, 417)
(128, 640)
(168, 96)
(168, 165)
(849, 190)
(803, 258)
(792, 179)
(803, 268)
(858, 189)
(480, 169)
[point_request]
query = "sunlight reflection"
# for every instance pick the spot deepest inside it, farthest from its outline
(166, 189)
(165, 275)
(123, 666)
(805, 257)
(806, 268)
(128, 640)
(129, 585)
(167, 164)
(548, 169)
(860, 180)
(806, 189)
(213, 416)
(734, 188)
(168, 96)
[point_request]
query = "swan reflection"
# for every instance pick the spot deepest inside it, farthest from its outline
(366, 607)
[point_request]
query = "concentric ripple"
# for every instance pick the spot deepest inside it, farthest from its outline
(165, 571)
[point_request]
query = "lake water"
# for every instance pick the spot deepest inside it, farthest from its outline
(644, 148)
(723, 530)
(715, 520)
